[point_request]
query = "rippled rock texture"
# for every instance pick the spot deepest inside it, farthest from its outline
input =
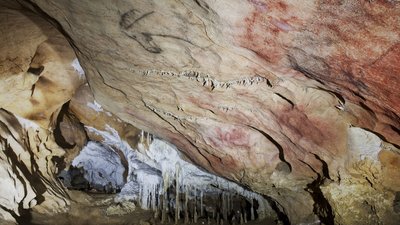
(36, 79)
(296, 100)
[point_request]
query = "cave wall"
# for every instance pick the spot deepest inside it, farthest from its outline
(36, 78)
(28, 163)
(284, 97)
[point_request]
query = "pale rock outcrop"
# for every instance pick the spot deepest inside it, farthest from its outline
(90, 113)
(27, 169)
(36, 78)
(37, 75)
(366, 190)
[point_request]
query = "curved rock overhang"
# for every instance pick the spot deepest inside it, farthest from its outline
(298, 101)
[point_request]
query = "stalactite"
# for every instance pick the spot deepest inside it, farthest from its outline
(155, 169)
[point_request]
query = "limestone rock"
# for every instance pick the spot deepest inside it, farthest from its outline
(72, 131)
(27, 168)
(276, 95)
(90, 113)
(120, 209)
(37, 75)
(70, 135)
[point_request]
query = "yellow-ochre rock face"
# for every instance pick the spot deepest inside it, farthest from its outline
(36, 79)
(297, 101)
(37, 73)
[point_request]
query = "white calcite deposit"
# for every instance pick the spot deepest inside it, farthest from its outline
(151, 170)
(101, 164)
(78, 68)
(363, 144)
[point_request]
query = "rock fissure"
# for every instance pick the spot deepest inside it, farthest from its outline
(322, 208)
(277, 145)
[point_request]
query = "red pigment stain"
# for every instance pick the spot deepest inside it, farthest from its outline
(351, 65)
(383, 78)
(235, 137)
(202, 104)
(282, 6)
(261, 39)
(265, 27)
(312, 130)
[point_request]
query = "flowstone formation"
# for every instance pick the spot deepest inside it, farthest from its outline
(152, 174)
(159, 179)
(295, 101)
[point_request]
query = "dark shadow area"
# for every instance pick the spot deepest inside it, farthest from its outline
(322, 208)
(279, 210)
(59, 138)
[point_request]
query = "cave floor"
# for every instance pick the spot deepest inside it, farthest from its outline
(91, 209)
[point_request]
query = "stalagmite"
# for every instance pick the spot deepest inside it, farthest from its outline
(177, 205)
(228, 202)
(140, 196)
(154, 198)
(224, 206)
(186, 205)
(156, 214)
(148, 139)
(195, 214)
(165, 198)
(252, 210)
(155, 168)
(142, 137)
(201, 204)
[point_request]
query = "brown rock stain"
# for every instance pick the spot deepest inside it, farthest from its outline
(44, 82)
(391, 169)
(34, 101)
(36, 116)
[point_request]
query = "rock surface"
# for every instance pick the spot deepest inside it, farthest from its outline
(36, 78)
(27, 168)
(90, 113)
(37, 75)
(280, 96)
